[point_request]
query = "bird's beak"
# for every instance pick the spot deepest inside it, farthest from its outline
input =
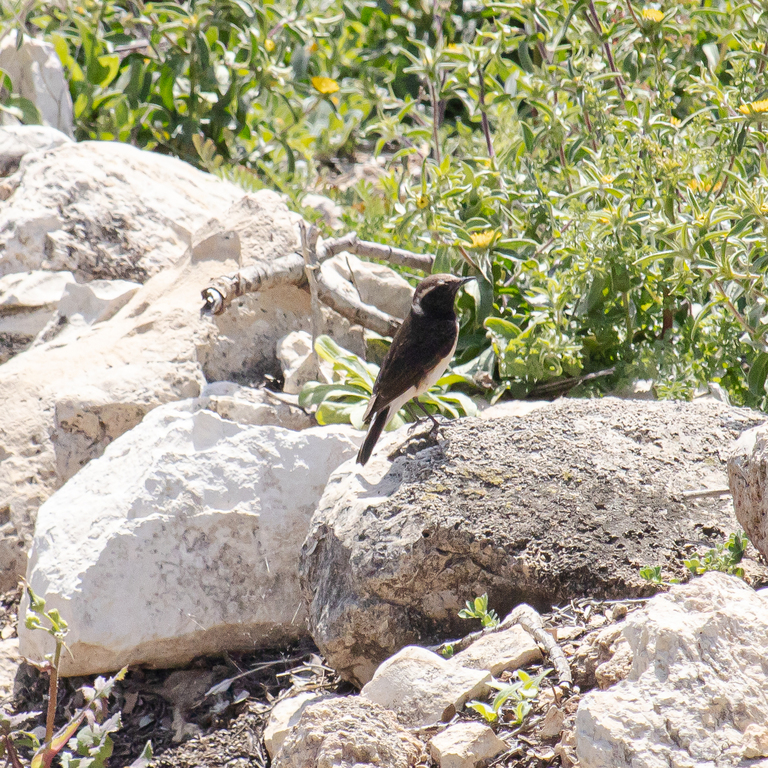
(465, 280)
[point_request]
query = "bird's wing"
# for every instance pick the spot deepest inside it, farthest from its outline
(413, 354)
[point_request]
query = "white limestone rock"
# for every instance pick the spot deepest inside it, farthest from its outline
(284, 716)
(423, 688)
(371, 283)
(500, 651)
(697, 692)
(331, 212)
(105, 210)
(28, 301)
(97, 300)
(156, 349)
(294, 351)
(37, 74)
(348, 731)
(465, 745)
(18, 140)
(84, 304)
(258, 407)
(10, 661)
(181, 540)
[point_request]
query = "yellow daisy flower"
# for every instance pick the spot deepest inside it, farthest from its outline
(325, 85)
(754, 108)
(482, 239)
(653, 14)
(422, 201)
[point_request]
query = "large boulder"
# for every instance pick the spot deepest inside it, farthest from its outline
(697, 692)
(93, 375)
(105, 210)
(181, 540)
(566, 501)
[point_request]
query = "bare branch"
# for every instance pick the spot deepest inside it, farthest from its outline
(332, 291)
(530, 619)
(288, 269)
(338, 294)
(312, 270)
(350, 243)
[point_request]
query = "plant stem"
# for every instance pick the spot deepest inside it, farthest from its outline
(53, 691)
(598, 28)
(484, 116)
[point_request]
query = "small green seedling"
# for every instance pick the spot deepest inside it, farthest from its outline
(478, 609)
(723, 557)
(522, 692)
(91, 745)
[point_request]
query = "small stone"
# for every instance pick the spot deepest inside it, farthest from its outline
(9, 665)
(617, 667)
(619, 611)
(294, 351)
(465, 745)
(755, 741)
(348, 731)
(597, 621)
(553, 723)
(568, 633)
(501, 651)
(284, 716)
(422, 687)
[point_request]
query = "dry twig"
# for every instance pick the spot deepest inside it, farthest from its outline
(294, 269)
(530, 619)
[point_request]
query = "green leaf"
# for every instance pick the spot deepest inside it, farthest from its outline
(758, 373)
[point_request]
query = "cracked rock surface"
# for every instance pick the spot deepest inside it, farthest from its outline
(569, 500)
(697, 693)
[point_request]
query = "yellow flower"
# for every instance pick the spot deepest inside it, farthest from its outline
(704, 186)
(422, 201)
(269, 45)
(325, 85)
(675, 121)
(755, 108)
(607, 179)
(482, 239)
(653, 14)
(312, 47)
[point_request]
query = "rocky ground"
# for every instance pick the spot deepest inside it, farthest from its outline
(213, 712)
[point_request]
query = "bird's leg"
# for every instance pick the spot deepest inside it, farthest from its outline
(435, 422)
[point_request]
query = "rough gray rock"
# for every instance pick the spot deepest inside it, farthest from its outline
(697, 691)
(348, 732)
(569, 500)
(748, 479)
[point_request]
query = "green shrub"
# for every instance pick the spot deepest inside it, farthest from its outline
(601, 165)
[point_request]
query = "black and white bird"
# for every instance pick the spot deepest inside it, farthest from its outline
(420, 352)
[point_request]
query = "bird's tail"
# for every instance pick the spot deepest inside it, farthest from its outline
(374, 432)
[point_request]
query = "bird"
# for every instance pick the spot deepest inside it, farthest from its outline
(420, 352)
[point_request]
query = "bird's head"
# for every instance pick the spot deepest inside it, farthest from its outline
(436, 293)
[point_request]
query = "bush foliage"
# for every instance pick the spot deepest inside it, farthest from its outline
(601, 165)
